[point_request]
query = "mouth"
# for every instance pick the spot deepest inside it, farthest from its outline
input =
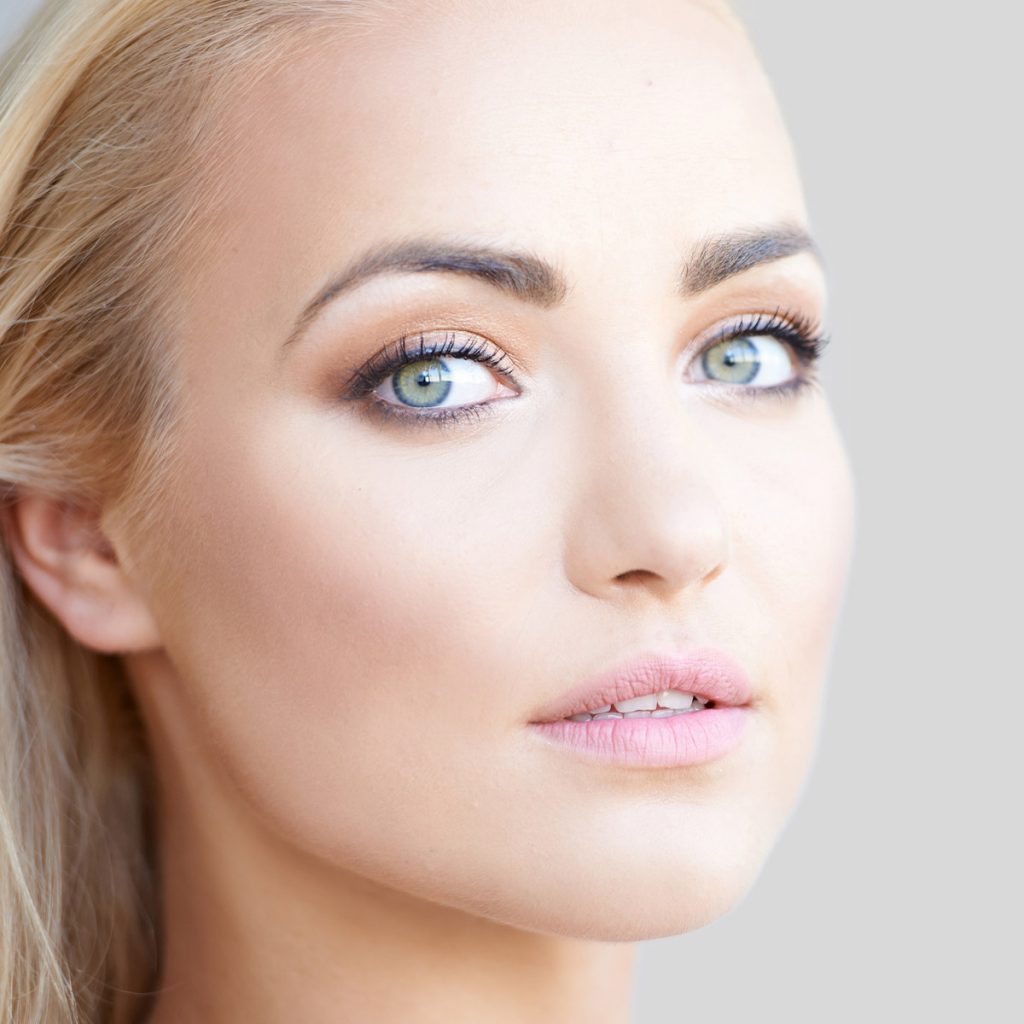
(656, 685)
(664, 704)
(657, 711)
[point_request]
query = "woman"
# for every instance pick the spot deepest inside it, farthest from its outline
(424, 525)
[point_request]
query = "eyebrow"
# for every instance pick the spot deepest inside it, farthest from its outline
(534, 280)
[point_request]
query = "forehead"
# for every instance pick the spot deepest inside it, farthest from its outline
(599, 127)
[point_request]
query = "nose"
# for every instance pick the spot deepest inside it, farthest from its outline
(645, 513)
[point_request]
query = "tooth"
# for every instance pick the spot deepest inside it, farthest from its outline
(637, 714)
(580, 718)
(613, 714)
(675, 699)
(645, 703)
(601, 711)
(663, 713)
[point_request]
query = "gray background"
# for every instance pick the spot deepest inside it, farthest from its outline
(893, 893)
(12, 14)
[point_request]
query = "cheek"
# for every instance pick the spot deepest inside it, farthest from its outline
(794, 542)
(359, 642)
(338, 626)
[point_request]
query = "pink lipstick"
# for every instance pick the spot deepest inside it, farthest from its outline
(640, 714)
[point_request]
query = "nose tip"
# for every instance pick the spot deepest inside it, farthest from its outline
(647, 512)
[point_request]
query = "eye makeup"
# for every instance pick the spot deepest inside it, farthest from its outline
(434, 350)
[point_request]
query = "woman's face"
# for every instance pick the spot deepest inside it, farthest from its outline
(367, 611)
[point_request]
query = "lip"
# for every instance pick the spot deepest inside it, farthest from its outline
(678, 740)
(706, 672)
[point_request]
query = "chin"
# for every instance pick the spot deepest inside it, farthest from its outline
(668, 900)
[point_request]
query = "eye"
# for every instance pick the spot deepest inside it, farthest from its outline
(439, 377)
(757, 360)
(765, 355)
(441, 382)
(446, 377)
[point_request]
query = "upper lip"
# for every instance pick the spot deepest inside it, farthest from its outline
(706, 672)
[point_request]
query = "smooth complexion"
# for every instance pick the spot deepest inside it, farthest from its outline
(341, 638)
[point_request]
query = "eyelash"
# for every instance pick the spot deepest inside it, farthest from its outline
(802, 336)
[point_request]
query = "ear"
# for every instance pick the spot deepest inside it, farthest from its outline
(64, 557)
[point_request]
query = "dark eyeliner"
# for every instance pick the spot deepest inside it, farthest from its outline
(363, 380)
(801, 335)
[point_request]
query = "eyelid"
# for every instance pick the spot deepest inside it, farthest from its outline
(758, 321)
(362, 379)
(800, 333)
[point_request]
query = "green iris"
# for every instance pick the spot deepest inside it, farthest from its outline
(423, 383)
(733, 361)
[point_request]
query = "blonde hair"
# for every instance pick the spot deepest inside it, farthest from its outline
(108, 114)
(108, 109)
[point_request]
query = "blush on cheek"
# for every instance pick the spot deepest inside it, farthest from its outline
(315, 614)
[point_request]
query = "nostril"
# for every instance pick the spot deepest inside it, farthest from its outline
(635, 574)
(714, 573)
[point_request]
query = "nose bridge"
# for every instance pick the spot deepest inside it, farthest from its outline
(647, 506)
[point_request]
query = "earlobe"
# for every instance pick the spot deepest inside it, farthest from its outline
(72, 568)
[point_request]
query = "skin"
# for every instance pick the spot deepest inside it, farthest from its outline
(357, 822)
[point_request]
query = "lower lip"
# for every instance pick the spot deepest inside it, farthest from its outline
(673, 742)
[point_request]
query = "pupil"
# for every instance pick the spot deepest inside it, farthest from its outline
(424, 383)
(733, 361)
